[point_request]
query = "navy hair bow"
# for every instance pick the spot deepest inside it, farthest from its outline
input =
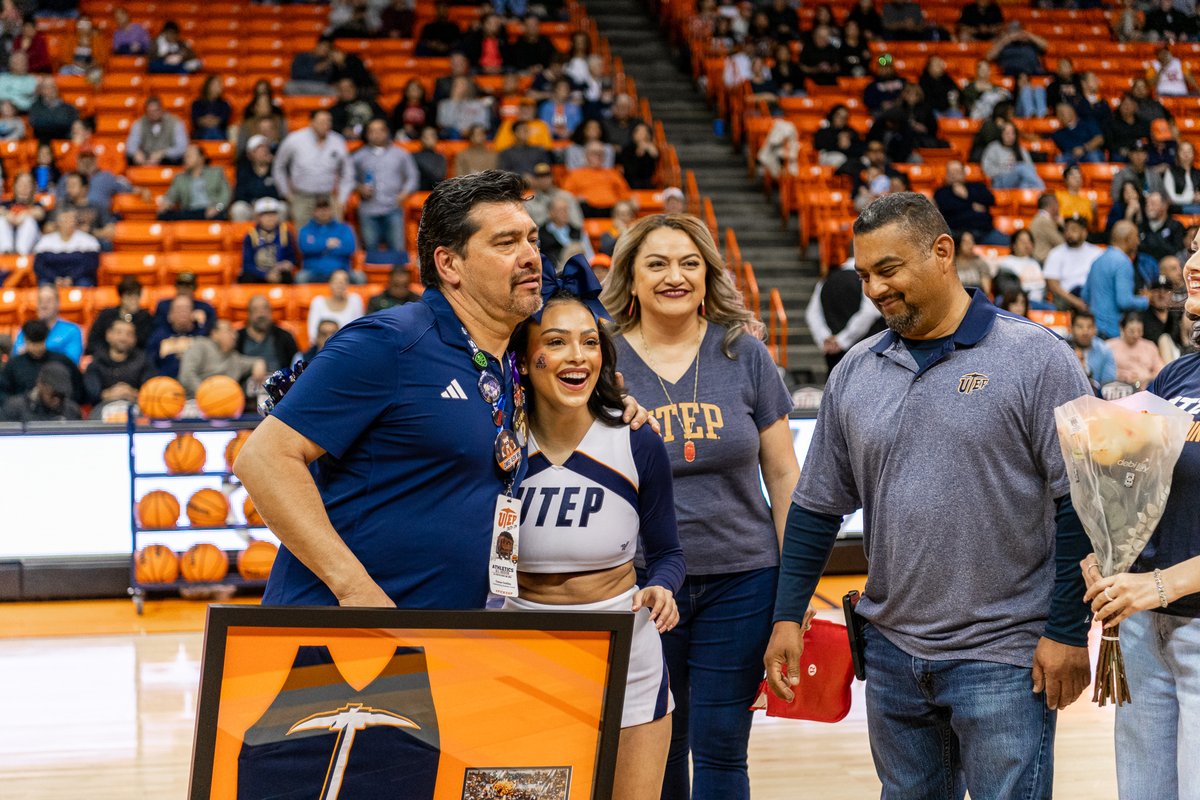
(578, 279)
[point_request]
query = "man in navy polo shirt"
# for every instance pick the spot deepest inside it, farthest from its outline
(942, 430)
(392, 411)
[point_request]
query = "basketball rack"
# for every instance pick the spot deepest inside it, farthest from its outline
(147, 473)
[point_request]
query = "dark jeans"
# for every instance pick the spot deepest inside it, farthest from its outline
(940, 728)
(198, 214)
(714, 660)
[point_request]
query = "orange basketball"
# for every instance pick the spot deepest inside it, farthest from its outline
(156, 563)
(158, 509)
(161, 398)
(208, 508)
(184, 453)
(234, 447)
(254, 563)
(204, 563)
(252, 515)
(220, 397)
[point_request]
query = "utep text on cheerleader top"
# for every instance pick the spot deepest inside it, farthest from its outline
(588, 513)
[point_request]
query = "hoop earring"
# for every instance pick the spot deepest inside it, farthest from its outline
(702, 312)
(632, 304)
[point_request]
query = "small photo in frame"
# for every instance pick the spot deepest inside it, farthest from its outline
(517, 783)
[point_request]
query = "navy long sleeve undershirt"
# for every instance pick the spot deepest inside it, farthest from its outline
(809, 538)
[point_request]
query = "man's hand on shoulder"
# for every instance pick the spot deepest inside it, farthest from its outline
(635, 415)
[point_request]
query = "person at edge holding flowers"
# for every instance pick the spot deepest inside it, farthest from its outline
(409, 414)
(683, 348)
(594, 492)
(1158, 734)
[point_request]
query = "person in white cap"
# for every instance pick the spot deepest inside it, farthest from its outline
(673, 201)
(255, 180)
(269, 250)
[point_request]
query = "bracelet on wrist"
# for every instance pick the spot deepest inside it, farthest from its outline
(1162, 592)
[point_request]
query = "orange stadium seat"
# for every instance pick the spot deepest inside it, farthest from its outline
(116, 81)
(264, 65)
(119, 103)
(212, 269)
(208, 237)
(302, 297)
(1097, 175)
(156, 179)
(146, 267)
(74, 304)
(237, 298)
(102, 297)
(19, 269)
(131, 206)
(11, 312)
(110, 125)
(142, 237)
(17, 156)
(214, 296)
(220, 154)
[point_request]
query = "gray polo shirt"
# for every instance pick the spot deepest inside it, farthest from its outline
(956, 468)
(392, 172)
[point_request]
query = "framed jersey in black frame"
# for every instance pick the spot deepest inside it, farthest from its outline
(329, 703)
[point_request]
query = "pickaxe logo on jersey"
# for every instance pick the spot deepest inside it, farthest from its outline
(347, 721)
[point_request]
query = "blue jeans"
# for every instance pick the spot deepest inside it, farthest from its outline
(357, 277)
(1031, 102)
(1023, 175)
(1158, 734)
(386, 229)
(714, 660)
(1091, 156)
(941, 728)
(992, 238)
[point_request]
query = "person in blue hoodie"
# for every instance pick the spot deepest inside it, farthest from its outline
(327, 246)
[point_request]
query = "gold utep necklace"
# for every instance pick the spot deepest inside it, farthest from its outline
(689, 447)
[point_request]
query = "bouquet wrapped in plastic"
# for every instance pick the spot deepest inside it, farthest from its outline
(1120, 456)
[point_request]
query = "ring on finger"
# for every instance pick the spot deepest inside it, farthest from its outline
(1111, 599)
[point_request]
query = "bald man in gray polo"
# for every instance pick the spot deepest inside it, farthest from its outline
(942, 430)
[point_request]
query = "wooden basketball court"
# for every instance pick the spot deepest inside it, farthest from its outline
(100, 702)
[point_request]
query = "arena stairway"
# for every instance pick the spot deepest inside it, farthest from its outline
(737, 197)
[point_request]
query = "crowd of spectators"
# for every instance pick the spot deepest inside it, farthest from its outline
(769, 53)
(1106, 252)
(57, 372)
(315, 195)
(546, 108)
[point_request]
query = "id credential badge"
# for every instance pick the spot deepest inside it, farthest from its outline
(506, 529)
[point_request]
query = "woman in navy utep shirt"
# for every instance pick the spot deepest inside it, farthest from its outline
(1158, 734)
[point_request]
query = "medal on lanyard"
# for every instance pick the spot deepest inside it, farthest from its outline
(520, 419)
(508, 444)
(506, 534)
